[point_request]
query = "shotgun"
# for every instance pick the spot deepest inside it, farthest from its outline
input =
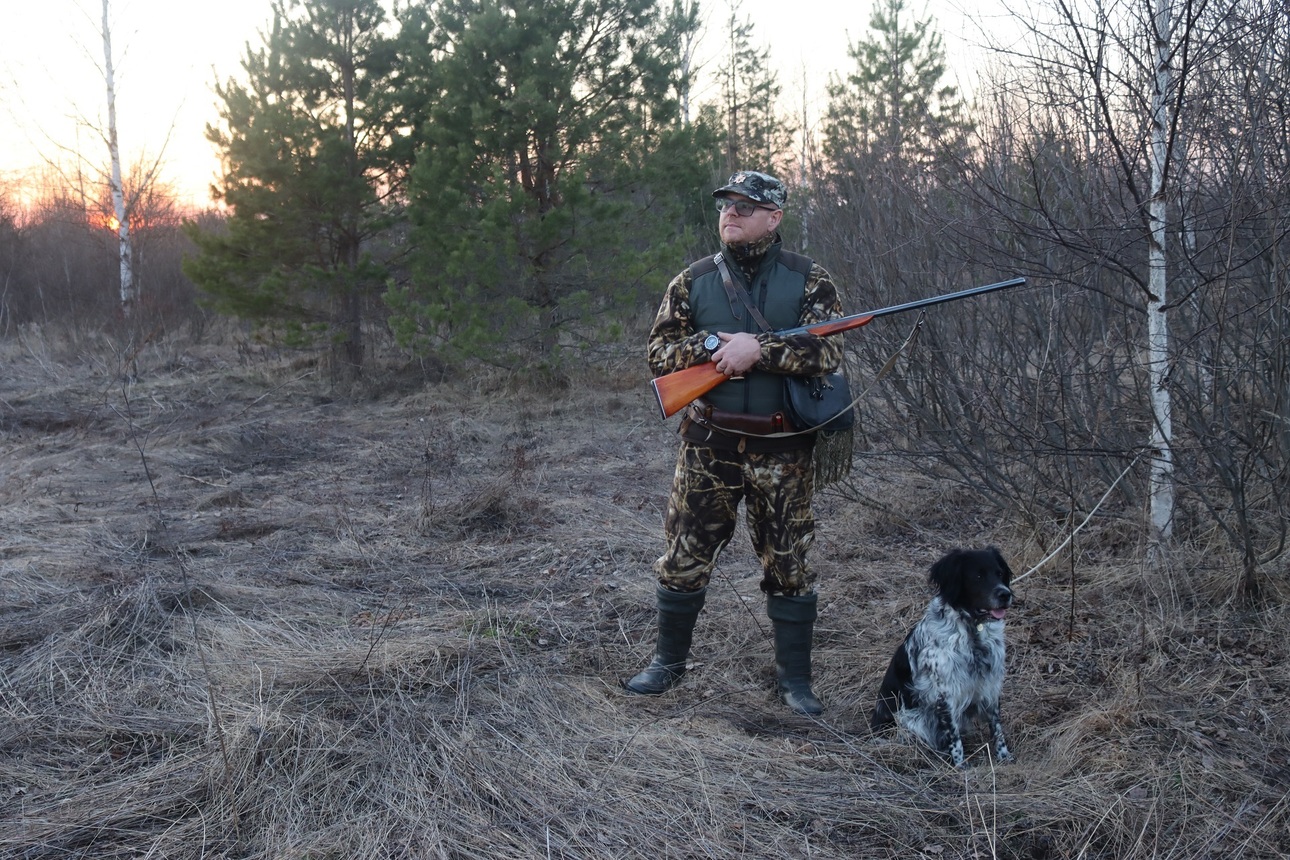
(677, 390)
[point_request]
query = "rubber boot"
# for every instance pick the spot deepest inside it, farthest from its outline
(677, 612)
(794, 622)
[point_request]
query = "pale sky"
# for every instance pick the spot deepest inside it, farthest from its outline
(168, 54)
(51, 56)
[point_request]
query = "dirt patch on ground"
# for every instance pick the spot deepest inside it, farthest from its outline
(241, 617)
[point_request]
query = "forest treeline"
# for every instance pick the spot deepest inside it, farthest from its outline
(514, 182)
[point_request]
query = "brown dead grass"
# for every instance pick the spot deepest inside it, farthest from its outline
(240, 618)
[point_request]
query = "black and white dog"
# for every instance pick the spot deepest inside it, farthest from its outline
(950, 667)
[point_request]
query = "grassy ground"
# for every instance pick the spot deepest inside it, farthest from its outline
(242, 619)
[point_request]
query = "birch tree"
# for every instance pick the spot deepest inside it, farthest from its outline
(1163, 98)
(1084, 134)
(1135, 159)
(121, 213)
(124, 185)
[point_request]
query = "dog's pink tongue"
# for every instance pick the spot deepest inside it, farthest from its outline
(998, 614)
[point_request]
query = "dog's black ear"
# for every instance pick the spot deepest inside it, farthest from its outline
(1003, 565)
(945, 576)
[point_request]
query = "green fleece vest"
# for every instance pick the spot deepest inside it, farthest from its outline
(778, 289)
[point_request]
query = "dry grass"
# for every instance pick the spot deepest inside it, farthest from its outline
(239, 619)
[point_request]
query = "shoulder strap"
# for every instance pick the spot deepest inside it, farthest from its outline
(702, 267)
(736, 292)
(799, 263)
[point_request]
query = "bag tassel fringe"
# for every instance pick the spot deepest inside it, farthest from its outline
(833, 456)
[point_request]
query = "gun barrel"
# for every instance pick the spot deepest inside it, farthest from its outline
(676, 390)
(847, 323)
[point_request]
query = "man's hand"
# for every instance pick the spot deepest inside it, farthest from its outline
(738, 353)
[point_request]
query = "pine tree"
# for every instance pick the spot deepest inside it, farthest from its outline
(538, 203)
(309, 151)
(756, 136)
(895, 107)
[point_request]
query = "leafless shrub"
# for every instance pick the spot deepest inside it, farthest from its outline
(1040, 399)
(58, 268)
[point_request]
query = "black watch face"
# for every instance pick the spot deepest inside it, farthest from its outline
(711, 343)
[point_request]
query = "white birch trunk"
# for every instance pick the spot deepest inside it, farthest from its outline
(118, 191)
(1162, 463)
(687, 67)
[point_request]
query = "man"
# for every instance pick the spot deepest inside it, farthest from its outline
(736, 442)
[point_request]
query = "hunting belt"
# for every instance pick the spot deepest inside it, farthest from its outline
(741, 423)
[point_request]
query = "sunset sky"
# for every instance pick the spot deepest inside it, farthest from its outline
(168, 54)
(51, 56)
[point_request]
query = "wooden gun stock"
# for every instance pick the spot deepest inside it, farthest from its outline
(677, 390)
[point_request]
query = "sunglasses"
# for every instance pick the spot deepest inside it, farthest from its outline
(743, 208)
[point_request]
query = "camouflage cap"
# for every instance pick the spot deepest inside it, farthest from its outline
(760, 187)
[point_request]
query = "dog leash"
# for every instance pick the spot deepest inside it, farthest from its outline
(1070, 537)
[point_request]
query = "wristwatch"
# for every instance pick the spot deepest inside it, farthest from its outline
(712, 343)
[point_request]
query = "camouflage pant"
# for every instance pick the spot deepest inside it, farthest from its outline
(776, 490)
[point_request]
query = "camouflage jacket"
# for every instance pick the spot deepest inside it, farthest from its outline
(675, 345)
